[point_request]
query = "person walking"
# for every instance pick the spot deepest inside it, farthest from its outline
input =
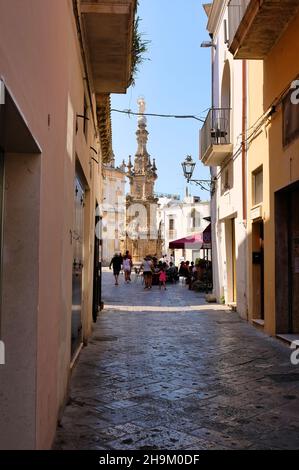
(116, 262)
(162, 276)
(147, 267)
(127, 267)
(172, 273)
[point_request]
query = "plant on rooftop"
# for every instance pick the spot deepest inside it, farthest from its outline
(140, 48)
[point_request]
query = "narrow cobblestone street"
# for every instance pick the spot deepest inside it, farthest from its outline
(165, 370)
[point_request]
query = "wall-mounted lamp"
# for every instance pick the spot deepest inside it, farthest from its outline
(188, 166)
(208, 44)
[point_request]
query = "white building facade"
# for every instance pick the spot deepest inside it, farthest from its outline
(222, 149)
(179, 219)
(113, 211)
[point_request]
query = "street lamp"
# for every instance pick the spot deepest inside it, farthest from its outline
(188, 166)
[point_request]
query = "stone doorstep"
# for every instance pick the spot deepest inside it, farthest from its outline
(288, 338)
(258, 323)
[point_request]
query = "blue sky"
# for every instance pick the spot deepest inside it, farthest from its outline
(176, 80)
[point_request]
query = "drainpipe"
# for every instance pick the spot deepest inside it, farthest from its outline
(213, 54)
(212, 172)
(244, 127)
(244, 160)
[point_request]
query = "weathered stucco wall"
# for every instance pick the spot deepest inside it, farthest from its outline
(228, 204)
(44, 46)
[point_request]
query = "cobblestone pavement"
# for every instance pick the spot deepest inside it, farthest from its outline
(164, 370)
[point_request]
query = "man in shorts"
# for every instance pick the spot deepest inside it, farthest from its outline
(116, 263)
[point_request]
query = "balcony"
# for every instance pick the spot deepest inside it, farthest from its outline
(215, 137)
(256, 25)
(108, 30)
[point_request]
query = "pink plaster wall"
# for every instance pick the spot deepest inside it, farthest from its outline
(40, 63)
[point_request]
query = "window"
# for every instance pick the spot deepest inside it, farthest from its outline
(258, 186)
(227, 175)
(171, 224)
(225, 180)
(290, 119)
(195, 219)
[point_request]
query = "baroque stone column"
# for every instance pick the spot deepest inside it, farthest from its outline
(142, 237)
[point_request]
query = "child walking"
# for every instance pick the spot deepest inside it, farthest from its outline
(162, 276)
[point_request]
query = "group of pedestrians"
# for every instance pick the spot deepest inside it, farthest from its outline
(201, 271)
(158, 272)
(120, 262)
(151, 268)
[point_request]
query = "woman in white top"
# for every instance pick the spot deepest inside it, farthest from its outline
(127, 266)
(147, 266)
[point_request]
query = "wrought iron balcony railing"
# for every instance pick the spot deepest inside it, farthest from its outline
(215, 132)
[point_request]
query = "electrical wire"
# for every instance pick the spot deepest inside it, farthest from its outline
(176, 116)
(256, 126)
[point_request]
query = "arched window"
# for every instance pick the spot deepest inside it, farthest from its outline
(226, 87)
(226, 99)
(195, 219)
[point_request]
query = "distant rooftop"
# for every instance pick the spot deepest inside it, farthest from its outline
(176, 197)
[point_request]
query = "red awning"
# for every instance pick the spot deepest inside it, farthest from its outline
(193, 242)
(197, 241)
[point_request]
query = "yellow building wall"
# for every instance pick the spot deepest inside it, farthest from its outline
(267, 81)
(257, 156)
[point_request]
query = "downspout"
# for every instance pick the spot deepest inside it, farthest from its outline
(214, 187)
(244, 135)
(213, 53)
(244, 162)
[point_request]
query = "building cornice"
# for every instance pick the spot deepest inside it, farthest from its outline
(216, 15)
(104, 125)
(109, 171)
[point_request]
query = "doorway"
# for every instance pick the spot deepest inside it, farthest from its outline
(77, 276)
(1, 219)
(230, 262)
(97, 267)
(234, 262)
(287, 260)
(230, 266)
(258, 283)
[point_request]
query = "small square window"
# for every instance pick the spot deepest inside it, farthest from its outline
(258, 187)
(227, 175)
(171, 224)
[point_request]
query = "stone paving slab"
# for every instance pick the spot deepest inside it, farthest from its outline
(164, 370)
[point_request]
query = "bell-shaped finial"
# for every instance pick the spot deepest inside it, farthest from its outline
(130, 166)
(123, 166)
